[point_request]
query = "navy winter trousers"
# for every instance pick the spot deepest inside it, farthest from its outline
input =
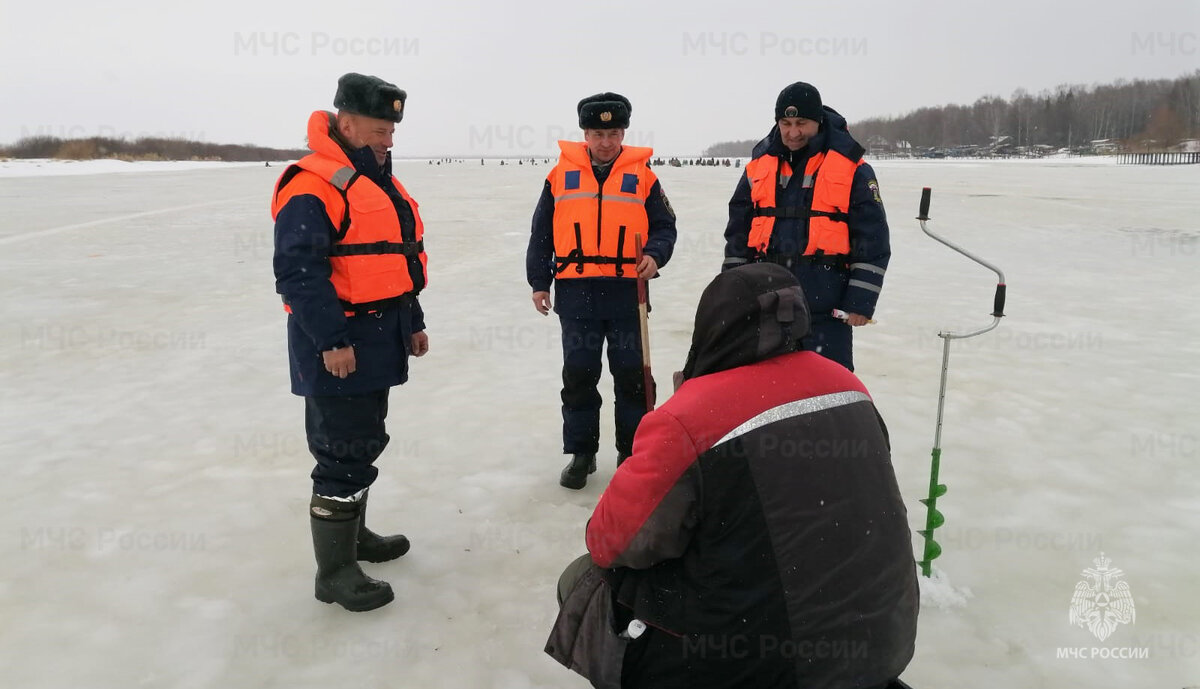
(832, 338)
(345, 436)
(582, 341)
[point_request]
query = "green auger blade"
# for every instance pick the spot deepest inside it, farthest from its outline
(932, 549)
(934, 519)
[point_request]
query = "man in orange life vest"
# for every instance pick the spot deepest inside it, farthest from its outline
(349, 263)
(593, 203)
(809, 202)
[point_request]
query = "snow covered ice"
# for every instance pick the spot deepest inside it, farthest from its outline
(156, 532)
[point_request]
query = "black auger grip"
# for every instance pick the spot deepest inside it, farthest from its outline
(923, 214)
(998, 303)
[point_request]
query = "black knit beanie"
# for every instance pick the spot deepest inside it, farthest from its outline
(799, 100)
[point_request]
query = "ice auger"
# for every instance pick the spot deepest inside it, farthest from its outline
(934, 518)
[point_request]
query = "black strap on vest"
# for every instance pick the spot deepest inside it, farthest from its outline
(836, 216)
(577, 257)
(620, 246)
(781, 212)
(379, 304)
(799, 212)
(406, 299)
(578, 248)
(372, 248)
(344, 227)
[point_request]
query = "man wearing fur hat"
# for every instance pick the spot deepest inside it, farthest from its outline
(757, 526)
(809, 202)
(349, 264)
(599, 196)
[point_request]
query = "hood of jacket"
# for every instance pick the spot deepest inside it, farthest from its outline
(746, 315)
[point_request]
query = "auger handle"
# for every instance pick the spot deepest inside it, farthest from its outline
(997, 301)
(923, 213)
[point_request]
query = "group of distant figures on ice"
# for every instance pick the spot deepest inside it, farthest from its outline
(673, 161)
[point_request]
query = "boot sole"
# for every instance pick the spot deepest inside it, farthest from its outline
(568, 483)
(377, 560)
(326, 597)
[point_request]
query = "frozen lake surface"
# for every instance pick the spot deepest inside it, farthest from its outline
(156, 531)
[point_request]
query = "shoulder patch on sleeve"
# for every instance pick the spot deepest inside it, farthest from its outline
(666, 201)
(874, 187)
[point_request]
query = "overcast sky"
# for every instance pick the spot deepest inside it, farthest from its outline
(500, 78)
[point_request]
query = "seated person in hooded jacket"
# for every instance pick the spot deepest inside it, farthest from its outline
(756, 537)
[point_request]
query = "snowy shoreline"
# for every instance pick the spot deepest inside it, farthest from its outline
(51, 167)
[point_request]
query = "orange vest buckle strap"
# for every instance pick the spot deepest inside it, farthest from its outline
(377, 306)
(365, 308)
(577, 258)
(405, 248)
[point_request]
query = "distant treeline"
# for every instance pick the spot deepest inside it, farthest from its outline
(1123, 116)
(142, 149)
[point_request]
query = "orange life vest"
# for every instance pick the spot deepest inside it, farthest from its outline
(831, 175)
(594, 225)
(369, 255)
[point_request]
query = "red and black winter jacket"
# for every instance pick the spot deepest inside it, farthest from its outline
(763, 533)
(759, 530)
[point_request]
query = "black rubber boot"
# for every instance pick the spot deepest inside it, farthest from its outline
(375, 548)
(339, 578)
(574, 475)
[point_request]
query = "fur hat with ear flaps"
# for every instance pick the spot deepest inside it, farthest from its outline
(747, 314)
(604, 111)
(370, 96)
